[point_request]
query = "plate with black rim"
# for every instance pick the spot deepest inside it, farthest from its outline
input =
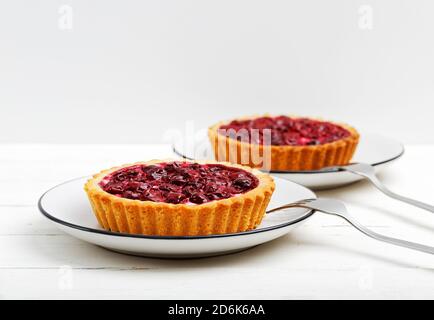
(374, 149)
(66, 205)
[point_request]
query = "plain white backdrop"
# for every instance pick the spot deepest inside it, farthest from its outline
(79, 71)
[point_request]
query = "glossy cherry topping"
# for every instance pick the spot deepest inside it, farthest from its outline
(284, 131)
(179, 182)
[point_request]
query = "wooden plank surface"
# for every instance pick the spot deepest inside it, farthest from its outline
(324, 258)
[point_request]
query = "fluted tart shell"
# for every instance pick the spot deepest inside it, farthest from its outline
(242, 212)
(284, 157)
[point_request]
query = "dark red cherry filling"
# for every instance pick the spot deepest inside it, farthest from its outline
(284, 131)
(179, 182)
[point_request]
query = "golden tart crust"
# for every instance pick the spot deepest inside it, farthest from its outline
(236, 214)
(284, 157)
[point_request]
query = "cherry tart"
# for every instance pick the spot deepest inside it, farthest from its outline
(171, 198)
(291, 143)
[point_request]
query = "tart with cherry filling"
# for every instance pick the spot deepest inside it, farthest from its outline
(292, 143)
(171, 198)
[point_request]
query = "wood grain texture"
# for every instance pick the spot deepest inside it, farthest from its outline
(324, 258)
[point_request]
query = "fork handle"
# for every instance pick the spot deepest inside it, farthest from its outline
(368, 172)
(338, 208)
(380, 237)
(380, 186)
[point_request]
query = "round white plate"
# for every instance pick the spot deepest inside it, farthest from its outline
(67, 206)
(373, 149)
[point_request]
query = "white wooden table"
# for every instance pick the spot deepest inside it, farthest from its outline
(324, 258)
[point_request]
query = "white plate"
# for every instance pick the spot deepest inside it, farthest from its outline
(373, 149)
(67, 206)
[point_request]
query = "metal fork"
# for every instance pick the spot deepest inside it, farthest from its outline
(368, 171)
(338, 208)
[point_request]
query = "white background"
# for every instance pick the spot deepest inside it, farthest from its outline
(128, 70)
